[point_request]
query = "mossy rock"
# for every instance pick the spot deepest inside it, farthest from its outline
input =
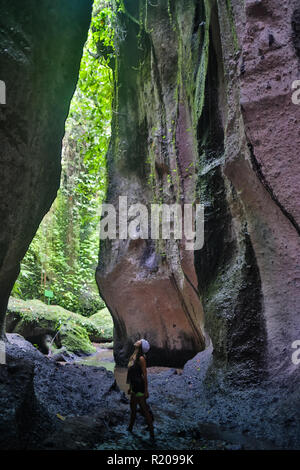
(33, 319)
(104, 323)
(75, 339)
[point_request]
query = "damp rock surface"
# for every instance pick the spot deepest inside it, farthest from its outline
(38, 394)
(53, 406)
(212, 121)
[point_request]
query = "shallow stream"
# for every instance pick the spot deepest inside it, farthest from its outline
(104, 358)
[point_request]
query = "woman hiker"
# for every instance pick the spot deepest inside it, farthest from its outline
(138, 384)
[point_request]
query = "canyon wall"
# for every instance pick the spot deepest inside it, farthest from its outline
(261, 61)
(40, 51)
(150, 286)
(203, 113)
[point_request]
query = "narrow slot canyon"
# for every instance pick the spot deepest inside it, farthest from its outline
(113, 110)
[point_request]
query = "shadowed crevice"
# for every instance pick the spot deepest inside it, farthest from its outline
(259, 173)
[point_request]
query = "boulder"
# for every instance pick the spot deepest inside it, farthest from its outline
(43, 324)
(150, 287)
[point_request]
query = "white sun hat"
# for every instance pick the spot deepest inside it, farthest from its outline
(145, 345)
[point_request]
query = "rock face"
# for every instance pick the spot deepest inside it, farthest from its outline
(261, 141)
(204, 114)
(151, 287)
(39, 55)
(39, 396)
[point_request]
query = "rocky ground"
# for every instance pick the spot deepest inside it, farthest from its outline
(38, 396)
(200, 409)
(48, 405)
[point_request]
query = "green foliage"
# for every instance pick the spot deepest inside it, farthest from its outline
(232, 25)
(64, 253)
(75, 331)
(103, 321)
(75, 339)
(202, 70)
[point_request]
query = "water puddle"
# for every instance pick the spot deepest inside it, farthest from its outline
(104, 358)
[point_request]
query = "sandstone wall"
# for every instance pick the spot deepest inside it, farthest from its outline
(151, 287)
(203, 113)
(261, 147)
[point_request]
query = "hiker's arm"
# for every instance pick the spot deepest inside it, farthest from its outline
(144, 370)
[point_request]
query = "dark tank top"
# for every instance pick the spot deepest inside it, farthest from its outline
(135, 377)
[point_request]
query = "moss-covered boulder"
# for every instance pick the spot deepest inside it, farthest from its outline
(103, 320)
(37, 322)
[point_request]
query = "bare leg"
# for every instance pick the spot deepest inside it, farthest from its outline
(133, 405)
(143, 405)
